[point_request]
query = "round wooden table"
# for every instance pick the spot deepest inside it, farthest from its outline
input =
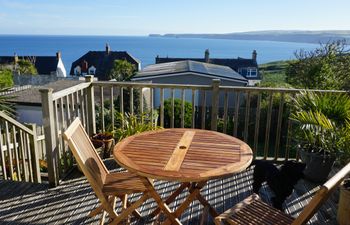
(190, 156)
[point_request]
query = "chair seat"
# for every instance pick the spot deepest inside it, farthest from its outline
(253, 211)
(122, 183)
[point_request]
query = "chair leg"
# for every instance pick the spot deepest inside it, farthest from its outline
(130, 209)
(103, 216)
(124, 199)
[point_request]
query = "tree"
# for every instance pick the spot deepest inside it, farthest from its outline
(26, 67)
(122, 70)
(6, 80)
(326, 67)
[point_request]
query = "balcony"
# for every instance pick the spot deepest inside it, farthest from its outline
(258, 116)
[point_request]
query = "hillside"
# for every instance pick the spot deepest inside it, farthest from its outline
(273, 35)
(274, 74)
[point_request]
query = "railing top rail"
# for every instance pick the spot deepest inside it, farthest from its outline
(291, 90)
(150, 85)
(16, 123)
(205, 87)
(70, 90)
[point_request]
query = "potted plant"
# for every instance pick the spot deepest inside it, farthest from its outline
(343, 215)
(323, 120)
(104, 141)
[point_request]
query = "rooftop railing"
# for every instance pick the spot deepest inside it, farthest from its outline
(258, 116)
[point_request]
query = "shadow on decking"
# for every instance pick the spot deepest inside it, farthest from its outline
(70, 203)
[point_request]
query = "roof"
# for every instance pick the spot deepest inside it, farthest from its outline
(43, 64)
(32, 96)
(232, 63)
(189, 66)
(103, 62)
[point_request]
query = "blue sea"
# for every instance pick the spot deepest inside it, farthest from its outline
(147, 48)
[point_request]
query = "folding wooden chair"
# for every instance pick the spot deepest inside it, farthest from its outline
(107, 186)
(255, 212)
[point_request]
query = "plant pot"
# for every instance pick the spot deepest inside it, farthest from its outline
(99, 147)
(318, 165)
(343, 215)
(108, 142)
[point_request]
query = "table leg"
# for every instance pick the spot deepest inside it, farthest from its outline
(194, 191)
(171, 198)
(206, 204)
(162, 205)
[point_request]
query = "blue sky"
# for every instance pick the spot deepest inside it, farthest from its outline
(141, 17)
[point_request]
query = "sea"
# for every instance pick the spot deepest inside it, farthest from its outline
(147, 48)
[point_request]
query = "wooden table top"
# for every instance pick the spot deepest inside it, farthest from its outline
(185, 155)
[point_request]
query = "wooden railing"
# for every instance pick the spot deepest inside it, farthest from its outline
(259, 116)
(19, 145)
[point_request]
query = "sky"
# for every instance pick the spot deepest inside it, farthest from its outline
(142, 17)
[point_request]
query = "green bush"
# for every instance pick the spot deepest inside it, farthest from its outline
(177, 113)
(6, 79)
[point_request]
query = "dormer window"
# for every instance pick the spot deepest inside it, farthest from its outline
(77, 71)
(248, 72)
(92, 70)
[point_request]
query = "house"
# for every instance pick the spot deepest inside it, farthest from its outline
(45, 65)
(245, 67)
(27, 102)
(99, 63)
(189, 72)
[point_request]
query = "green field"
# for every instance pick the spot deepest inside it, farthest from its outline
(274, 74)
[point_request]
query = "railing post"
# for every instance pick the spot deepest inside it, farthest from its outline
(50, 138)
(91, 106)
(35, 156)
(215, 104)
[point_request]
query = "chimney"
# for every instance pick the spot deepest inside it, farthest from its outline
(108, 49)
(84, 66)
(58, 55)
(206, 55)
(254, 54)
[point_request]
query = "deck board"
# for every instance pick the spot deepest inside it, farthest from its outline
(70, 203)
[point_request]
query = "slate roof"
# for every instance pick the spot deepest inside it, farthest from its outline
(234, 64)
(103, 62)
(189, 66)
(32, 96)
(43, 64)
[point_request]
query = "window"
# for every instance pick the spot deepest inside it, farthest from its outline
(248, 72)
(92, 70)
(77, 71)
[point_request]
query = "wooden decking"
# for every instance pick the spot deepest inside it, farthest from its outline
(69, 203)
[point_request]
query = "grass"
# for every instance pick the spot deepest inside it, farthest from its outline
(274, 74)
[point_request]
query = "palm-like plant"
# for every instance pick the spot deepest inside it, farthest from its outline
(130, 124)
(322, 119)
(5, 105)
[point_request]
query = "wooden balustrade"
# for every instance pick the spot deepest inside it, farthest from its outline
(19, 156)
(259, 116)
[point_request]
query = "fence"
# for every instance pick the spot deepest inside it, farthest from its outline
(19, 156)
(259, 116)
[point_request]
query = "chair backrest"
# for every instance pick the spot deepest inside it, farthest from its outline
(86, 155)
(321, 196)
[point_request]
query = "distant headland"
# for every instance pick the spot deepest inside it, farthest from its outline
(321, 36)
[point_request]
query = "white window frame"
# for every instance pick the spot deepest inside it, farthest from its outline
(92, 70)
(77, 71)
(250, 71)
